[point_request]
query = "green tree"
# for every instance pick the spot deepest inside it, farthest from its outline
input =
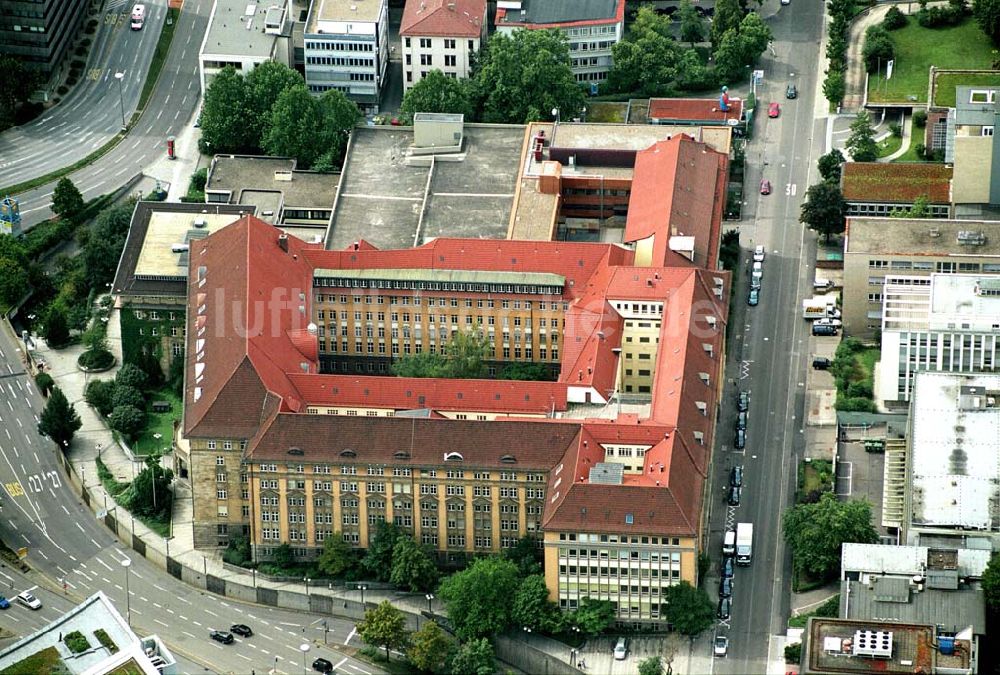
(430, 648)
(13, 282)
(920, 209)
(593, 617)
(127, 395)
(467, 353)
(651, 666)
(532, 607)
(175, 378)
(824, 209)
(412, 565)
(265, 85)
(99, 394)
(987, 15)
(692, 26)
(879, 47)
(67, 202)
(861, 143)
(727, 16)
(16, 85)
(11, 247)
(991, 583)
(45, 383)
(474, 657)
(519, 370)
(383, 626)
(816, 532)
(523, 76)
(339, 116)
(59, 420)
(282, 556)
(378, 559)
(834, 86)
(55, 330)
(689, 609)
(131, 375)
(149, 493)
(526, 555)
(478, 597)
(337, 557)
(227, 118)
(740, 47)
(423, 364)
(127, 420)
(647, 60)
(238, 550)
(829, 165)
(438, 93)
(295, 119)
(105, 245)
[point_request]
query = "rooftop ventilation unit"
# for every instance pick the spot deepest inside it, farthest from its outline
(876, 644)
(200, 222)
(971, 238)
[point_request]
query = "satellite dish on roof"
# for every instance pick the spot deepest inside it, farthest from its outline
(732, 122)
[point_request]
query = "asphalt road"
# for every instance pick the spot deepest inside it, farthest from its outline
(769, 343)
(68, 545)
(91, 113)
(172, 105)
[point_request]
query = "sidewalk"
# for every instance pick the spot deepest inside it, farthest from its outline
(855, 79)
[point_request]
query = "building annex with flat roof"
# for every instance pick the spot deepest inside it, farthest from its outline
(878, 189)
(430, 474)
(876, 247)
(244, 35)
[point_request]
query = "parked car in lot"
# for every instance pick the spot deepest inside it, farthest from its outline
(822, 363)
(740, 440)
(321, 665)
(725, 587)
(773, 110)
(4, 603)
(733, 499)
(754, 283)
(721, 645)
(790, 90)
(241, 629)
(736, 476)
(29, 600)
(830, 321)
(728, 567)
(222, 636)
(753, 297)
(743, 401)
(758, 254)
(725, 608)
(741, 420)
(757, 271)
(823, 329)
(765, 186)
(621, 649)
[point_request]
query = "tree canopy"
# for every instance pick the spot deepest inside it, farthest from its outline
(228, 123)
(430, 647)
(727, 16)
(861, 143)
(532, 607)
(378, 558)
(692, 26)
(592, 617)
(991, 583)
(464, 356)
(824, 209)
(337, 556)
(651, 666)
(689, 609)
(412, 565)
(438, 93)
(987, 15)
(478, 598)
(522, 77)
(105, 245)
(830, 164)
(739, 47)
(149, 493)
(383, 626)
(474, 657)
(817, 531)
(13, 282)
(59, 420)
(647, 59)
(67, 202)
(16, 85)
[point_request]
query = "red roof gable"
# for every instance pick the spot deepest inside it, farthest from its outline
(444, 18)
(678, 189)
(693, 110)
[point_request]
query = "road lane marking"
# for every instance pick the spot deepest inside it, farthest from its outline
(244, 657)
(197, 623)
(188, 634)
(208, 611)
(266, 637)
(106, 565)
(351, 634)
(159, 588)
(65, 509)
(80, 527)
(161, 623)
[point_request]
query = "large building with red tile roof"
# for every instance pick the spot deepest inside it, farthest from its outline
(281, 442)
(441, 35)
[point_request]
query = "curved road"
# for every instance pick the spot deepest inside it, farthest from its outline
(91, 113)
(67, 544)
(168, 110)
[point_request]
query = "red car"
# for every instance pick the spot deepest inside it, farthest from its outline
(765, 186)
(773, 110)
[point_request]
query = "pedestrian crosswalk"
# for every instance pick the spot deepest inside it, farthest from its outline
(115, 5)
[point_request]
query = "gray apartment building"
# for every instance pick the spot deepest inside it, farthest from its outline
(38, 32)
(877, 247)
(347, 48)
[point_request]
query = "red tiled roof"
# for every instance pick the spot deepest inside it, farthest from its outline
(409, 393)
(250, 299)
(533, 445)
(676, 191)
(444, 18)
(693, 110)
(898, 182)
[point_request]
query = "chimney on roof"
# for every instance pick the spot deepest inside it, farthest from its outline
(357, 246)
(283, 242)
(451, 6)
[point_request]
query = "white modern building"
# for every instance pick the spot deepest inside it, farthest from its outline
(244, 34)
(347, 48)
(952, 463)
(592, 28)
(441, 35)
(942, 322)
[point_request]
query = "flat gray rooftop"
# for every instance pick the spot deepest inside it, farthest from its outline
(325, 15)
(924, 236)
(235, 30)
(879, 597)
(561, 11)
(244, 176)
(628, 136)
(384, 191)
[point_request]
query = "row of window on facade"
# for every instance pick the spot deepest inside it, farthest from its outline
(418, 348)
(425, 43)
(400, 489)
(602, 46)
(418, 301)
(450, 60)
(380, 470)
(470, 320)
(856, 209)
(340, 46)
(938, 266)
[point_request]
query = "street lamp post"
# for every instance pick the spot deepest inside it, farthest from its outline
(362, 588)
(617, 351)
(121, 98)
(307, 580)
(304, 648)
(430, 599)
(128, 603)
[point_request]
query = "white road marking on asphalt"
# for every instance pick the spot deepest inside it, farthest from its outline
(350, 635)
(95, 543)
(283, 623)
(208, 611)
(342, 661)
(266, 637)
(197, 623)
(41, 553)
(135, 611)
(187, 633)
(169, 611)
(182, 617)
(184, 600)
(360, 670)
(37, 461)
(25, 537)
(157, 605)
(107, 581)
(65, 509)
(267, 652)
(161, 623)
(64, 573)
(82, 530)
(159, 588)
(244, 657)
(70, 557)
(106, 565)
(294, 650)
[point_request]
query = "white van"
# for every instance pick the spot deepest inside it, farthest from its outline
(729, 543)
(758, 270)
(621, 649)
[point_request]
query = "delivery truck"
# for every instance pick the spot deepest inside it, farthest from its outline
(818, 307)
(744, 543)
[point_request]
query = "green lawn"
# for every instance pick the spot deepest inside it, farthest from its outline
(867, 360)
(606, 111)
(944, 91)
(917, 49)
(890, 145)
(158, 423)
(40, 663)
